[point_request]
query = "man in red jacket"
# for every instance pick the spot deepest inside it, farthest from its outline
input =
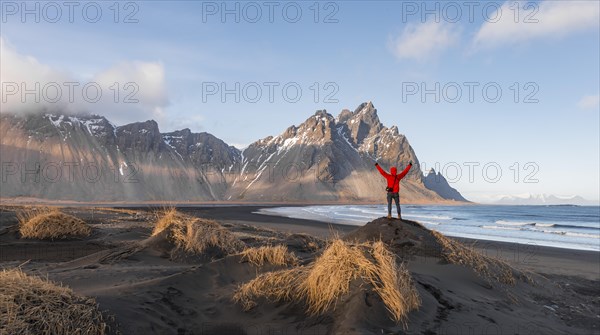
(393, 186)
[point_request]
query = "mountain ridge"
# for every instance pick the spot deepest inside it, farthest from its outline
(325, 158)
(436, 182)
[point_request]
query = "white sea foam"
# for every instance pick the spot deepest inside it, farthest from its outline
(514, 223)
(500, 227)
(569, 233)
(435, 217)
(493, 224)
(430, 222)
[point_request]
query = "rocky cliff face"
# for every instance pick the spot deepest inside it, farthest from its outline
(87, 158)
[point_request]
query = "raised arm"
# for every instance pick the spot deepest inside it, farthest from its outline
(383, 173)
(405, 171)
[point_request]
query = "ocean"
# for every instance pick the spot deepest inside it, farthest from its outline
(571, 227)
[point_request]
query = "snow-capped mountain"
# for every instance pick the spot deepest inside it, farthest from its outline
(327, 158)
(87, 158)
(540, 199)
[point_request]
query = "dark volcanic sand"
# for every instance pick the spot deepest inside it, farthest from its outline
(150, 294)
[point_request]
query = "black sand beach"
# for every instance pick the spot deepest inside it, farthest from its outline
(150, 294)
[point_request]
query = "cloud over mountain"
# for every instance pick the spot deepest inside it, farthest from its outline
(125, 92)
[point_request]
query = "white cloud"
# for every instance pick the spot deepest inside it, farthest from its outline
(589, 102)
(544, 19)
(17, 69)
(139, 93)
(423, 41)
(239, 146)
(194, 122)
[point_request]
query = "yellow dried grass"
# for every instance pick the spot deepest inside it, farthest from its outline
(276, 255)
(50, 223)
(30, 305)
(322, 283)
(487, 267)
(194, 235)
(394, 283)
(331, 274)
(274, 286)
(115, 210)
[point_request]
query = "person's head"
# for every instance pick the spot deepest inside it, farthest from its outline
(393, 170)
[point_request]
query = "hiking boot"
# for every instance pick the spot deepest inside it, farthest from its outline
(399, 217)
(389, 216)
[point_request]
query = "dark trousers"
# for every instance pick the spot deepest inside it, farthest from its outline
(396, 197)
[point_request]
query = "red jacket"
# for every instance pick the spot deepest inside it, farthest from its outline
(393, 179)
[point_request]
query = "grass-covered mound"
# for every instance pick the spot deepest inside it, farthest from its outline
(188, 236)
(50, 223)
(30, 305)
(409, 238)
(275, 255)
(490, 268)
(322, 283)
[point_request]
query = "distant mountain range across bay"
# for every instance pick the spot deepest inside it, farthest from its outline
(540, 199)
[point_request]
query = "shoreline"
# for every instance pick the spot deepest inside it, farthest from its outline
(542, 259)
(467, 236)
(564, 261)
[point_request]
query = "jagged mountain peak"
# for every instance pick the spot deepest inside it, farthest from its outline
(321, 116)
(365, 107)
(394, 130)
(59, 120)
(344, 115)
(322, 127)
(140, 136)
(315, 129)
(366, 112)
(436, 182)
(290, 131)
(66, 126)
(262, 142)
(322, 113)
(362, 123)
(148, 125)
(184, 131)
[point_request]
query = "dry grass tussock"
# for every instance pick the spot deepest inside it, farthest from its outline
(50, 223)
(322, 283)
(487, 267)
(276, 255)
(115, 210)
(33, 306)
(193, 235)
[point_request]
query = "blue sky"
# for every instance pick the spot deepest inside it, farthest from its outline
(372, 51)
